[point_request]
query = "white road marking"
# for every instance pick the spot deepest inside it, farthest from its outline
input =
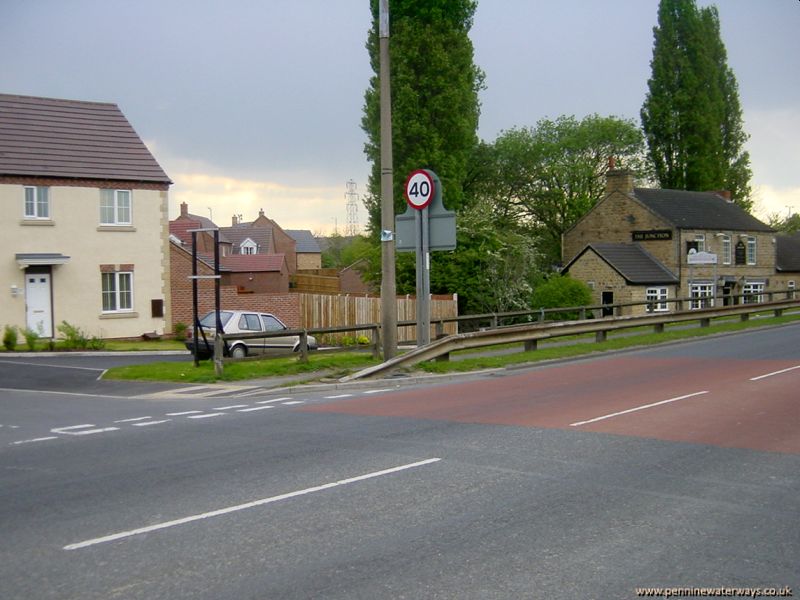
(72, 430)
(338, 396)
(41, 439)
(254, 392)
(293, 402)
(630, 410)
(224, 511)
(133, 420)
(782, 371)
(231, 407)
(206, 416)
(275, 400)
(147, 423)
(38, 364)
(254, 408)
(184, 413)
(378, 391)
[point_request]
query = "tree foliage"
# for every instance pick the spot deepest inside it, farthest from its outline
(691, 117)
(543, 179)
(435, 106)
(561, 291)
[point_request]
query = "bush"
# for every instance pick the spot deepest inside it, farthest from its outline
(180, 331)
(31, 338)
(10, 338)
(562, 292)
(74, 337)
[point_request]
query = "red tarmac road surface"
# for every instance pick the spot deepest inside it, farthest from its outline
(730, 403)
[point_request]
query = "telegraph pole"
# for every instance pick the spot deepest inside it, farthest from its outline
(388, 284)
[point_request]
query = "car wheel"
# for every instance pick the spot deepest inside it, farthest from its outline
(238, 352)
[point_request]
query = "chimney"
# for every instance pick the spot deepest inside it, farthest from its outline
(725, 194)
(618, 180)
(261, 212)
(184, 209)
(234, 221)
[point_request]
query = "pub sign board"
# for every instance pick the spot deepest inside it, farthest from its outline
(651, 235)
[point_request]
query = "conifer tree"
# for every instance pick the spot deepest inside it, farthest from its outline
(691, 116)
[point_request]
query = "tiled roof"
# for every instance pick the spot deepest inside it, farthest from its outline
(180, 229)
(262, 236)
(698, 210)
(239, 263)
(46, 137)
(787, 253)
(306, 242)
(631, 261)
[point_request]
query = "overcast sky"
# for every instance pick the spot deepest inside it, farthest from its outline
(251, 104)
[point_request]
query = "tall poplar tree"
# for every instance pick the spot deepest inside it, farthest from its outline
(435, 106)
(691, 117)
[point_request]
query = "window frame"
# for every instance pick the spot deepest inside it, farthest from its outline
(116, 207)
(656, 299)
(751, 250)
(727, 249)
(37, 191)
(753, 292)
(113, 297)
(701, 299)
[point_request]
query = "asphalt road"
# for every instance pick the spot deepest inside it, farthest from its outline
(674, 467)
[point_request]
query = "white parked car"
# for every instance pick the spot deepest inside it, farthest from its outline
(245, 322)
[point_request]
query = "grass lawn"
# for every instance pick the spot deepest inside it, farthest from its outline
(338, 364)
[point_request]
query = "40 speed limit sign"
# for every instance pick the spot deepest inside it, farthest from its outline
(419, 189)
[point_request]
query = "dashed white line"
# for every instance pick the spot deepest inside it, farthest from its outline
(224, 511)
(148, 423)
(184, 413)
(273, 400)
(781, 372)
(133, 420)
(40, 439)
(293, 402)
(630, 410)
(231, 407)
(338, 396)
(73, 429)
(206, 416)
(254, 408)
(378, 391)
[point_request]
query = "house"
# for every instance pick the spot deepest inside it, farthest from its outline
(84, 221)
(639, 244)
(787, 262)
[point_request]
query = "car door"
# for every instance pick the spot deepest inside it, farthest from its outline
(272, 324)
(251, 323)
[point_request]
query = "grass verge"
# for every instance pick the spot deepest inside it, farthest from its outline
(330, 365)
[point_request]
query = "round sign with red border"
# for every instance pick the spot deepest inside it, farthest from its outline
(419, 189)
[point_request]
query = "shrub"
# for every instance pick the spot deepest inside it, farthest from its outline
(180, 331)
(562, 291)
(74, 337)
(31, 338)
(10, 338)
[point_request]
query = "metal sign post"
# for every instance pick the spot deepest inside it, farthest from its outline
(426, 225)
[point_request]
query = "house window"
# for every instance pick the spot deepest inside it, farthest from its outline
(115, 207)
(656, 299)
(702, 295)
(753, 291)
(248, 246)
(726, 250)
(37, 202)
(117, 291)
(751, 250)
(700, 242)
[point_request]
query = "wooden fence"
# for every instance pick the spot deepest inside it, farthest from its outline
(320, 310)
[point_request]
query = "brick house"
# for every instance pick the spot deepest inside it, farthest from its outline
(84, 221)
(639, 244)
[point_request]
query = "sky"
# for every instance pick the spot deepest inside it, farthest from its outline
(257, 104)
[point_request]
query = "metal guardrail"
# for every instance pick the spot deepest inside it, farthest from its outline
(532, 334)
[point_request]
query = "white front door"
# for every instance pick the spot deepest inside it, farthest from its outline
(37, 302)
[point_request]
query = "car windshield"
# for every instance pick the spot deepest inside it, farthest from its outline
(210, 322)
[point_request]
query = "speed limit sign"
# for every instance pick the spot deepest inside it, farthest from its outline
(419, 189)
